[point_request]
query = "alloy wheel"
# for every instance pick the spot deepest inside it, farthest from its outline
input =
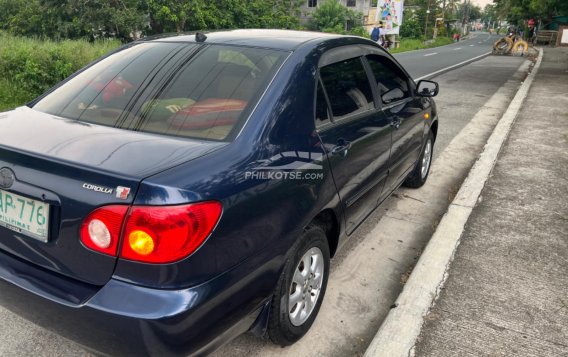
(306, 286)
(426, 159)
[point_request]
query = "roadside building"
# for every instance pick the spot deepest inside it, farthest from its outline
(391, 19)
(362, 6)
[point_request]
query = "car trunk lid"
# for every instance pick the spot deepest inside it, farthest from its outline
(69, 168)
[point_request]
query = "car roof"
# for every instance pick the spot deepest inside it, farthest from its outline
(269, 38)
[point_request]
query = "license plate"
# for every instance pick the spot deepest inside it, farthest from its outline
(24, 215)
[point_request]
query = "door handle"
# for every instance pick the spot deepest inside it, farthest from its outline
(395, 123)
(341, 148)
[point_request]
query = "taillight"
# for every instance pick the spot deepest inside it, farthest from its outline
(151, 234)
(164, 234)
(100, 231)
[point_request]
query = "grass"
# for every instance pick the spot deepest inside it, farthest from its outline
(28, 66)
(415, 44)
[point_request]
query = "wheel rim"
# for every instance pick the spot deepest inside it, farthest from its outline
(306, 286)
(426, 158)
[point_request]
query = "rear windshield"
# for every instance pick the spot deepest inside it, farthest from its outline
(176, 89)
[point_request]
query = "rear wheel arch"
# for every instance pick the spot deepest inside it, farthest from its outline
(327, 220)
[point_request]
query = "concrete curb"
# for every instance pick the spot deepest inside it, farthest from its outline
(400, 329)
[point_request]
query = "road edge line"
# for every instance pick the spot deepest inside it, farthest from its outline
(440, 71)
(401, 328)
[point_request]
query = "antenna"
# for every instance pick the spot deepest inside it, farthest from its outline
(199, 37)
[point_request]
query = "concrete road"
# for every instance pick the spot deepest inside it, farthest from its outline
(368, 274)
(422, 63)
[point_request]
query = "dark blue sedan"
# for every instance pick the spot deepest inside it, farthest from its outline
(183, 190)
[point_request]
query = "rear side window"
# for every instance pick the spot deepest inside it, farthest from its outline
(347, 87)
(176, 89)
(390, 79)
(322, 114)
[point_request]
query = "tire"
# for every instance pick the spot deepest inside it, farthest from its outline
(503, 45)
(419, 174)
(518, 44)
(290, 321)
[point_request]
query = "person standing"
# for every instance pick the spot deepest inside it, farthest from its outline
(377, 34)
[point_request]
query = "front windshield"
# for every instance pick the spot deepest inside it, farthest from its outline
(176, 89)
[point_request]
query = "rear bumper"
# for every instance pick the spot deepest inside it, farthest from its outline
(125, 319)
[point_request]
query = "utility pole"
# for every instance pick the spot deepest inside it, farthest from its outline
(466, 5)
(426, 23)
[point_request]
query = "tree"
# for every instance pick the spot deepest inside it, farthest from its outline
(173, 15)
(72, 18)
(489, 15)
(452, 8)
(516, 11)
(331, 16)
(185, 15)
(411, 28)
(125, 19)
(420, 18)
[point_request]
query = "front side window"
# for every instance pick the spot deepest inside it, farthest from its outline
(347, 87)
(392, 83)
(175, 89)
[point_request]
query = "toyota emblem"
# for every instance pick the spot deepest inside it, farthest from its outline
(7, 177)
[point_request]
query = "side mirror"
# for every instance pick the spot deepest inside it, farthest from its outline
(392, 95)
(426, 88)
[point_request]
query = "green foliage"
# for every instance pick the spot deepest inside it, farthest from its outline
(127, 19)
(11, 95)
(28, 67)
(411, 28)
(517, 11)
(489, 15)
(174, 15)
(331, 16)
(414, 44)
(60, 19)
(414, 23)
(474, 12)
(360, 31)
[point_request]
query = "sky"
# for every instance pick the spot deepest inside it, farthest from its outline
(481, 3)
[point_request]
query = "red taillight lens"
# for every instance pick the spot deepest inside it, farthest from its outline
(152, 234)
(100, 231)
(165, 234)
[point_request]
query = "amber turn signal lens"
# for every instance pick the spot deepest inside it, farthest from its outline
(141, 242)
(426, 116)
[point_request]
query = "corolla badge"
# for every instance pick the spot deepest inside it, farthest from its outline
(96, 188)
(7, 177)
(121, 192)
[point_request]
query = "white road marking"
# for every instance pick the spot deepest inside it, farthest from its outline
(431, 54)
(482, 42)
(471, 45)
(453, 66)
(459, 48)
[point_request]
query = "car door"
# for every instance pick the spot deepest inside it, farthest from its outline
(405, 115)
(355, 133)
